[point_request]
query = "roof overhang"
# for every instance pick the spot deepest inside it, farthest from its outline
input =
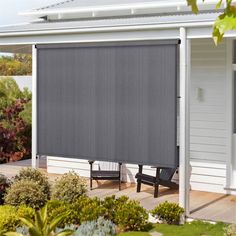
(118, 10)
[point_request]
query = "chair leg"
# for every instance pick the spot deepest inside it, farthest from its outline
(91, 183)
(156, 190)
(138, 186)
(139, 181)
(156, 184)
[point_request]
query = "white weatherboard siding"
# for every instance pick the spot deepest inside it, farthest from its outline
(208, 130)
(207, 123)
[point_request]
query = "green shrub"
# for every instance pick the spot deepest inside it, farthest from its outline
(36, 176)
(42, 225)
(26, 192)
(84, 209)
(69, 188)
(99, 227)
(9, 216)
(111, 204)
(90, 208)
(4, 184)
(131, 216)
(168, 212)
(9, 219)
(56, 207)
(25, 211)
(230, 230)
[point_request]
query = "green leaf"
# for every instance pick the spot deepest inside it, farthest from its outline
(193, 5)
(34, 232)
(44, 212)
(27, 221)
(218, 4)
(57, 221)
(223, 23)
(13, 234)
(38, 220)
(66, 232)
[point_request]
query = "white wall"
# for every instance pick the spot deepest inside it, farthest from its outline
(24, 82)
(207, 123)
(208, 116)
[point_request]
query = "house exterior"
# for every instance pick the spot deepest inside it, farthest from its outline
(206, 120)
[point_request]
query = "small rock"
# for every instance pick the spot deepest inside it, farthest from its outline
(156, 234)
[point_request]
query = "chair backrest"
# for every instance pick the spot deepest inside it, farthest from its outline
(104, 165)
(167, 174)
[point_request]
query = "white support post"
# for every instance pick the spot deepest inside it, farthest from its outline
(184, 122)
(34, 107)
(230, 114)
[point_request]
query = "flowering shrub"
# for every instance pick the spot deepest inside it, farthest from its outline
(15, 121)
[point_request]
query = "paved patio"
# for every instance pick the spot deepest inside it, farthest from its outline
(203, 205)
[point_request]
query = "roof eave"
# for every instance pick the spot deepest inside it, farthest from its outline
(122, 9)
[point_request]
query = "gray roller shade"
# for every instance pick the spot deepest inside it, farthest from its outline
(109, 102)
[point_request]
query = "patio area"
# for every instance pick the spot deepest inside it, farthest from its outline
(203, 205)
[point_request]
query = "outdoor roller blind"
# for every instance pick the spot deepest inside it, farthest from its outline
(108, 101)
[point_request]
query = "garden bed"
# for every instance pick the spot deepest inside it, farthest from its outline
(32, 204)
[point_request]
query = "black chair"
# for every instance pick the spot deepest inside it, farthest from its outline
(163, 177)
(101, 174)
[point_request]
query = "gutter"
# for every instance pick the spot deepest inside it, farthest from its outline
(109, 29)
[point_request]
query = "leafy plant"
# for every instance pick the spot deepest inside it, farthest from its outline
(8, 219)
(225, 21)
(27, 192)
(15, 124)
(84, 209)
(168, 212)
(19, 64)
(69, 187)
(10, 216)
(35, 175)
(89, 208)
(4, 184)
(25, 211)
(100, 227)
(41, 226)
(131, 216)
(230, 230)
(111, 205)
(15, 134)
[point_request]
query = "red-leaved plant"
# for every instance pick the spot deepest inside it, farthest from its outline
(15, 133)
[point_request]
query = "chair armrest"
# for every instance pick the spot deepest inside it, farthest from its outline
(160, 167)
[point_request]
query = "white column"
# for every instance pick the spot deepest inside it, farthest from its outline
(34, 107)
(184, 122)
(231, 137)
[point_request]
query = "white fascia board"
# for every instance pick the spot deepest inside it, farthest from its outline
(132, 8)
(108, 29)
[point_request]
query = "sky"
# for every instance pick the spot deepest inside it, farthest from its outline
(9, 10)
